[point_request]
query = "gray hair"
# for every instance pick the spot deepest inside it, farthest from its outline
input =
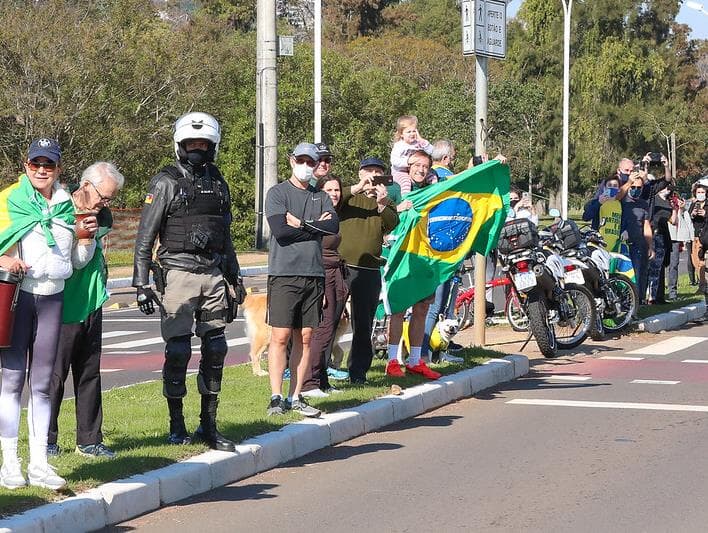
(441, 148)
(100, 170)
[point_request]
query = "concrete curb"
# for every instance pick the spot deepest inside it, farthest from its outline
(122, 283)
(672, 319)
(120, 500)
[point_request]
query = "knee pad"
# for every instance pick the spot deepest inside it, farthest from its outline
(177, 353)
(211, 367)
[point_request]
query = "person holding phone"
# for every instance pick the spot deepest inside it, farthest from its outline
(698, 209)
(605, 212)
(366, 214)
(665, 212)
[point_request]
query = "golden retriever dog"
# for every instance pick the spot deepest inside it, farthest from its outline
(258, 332)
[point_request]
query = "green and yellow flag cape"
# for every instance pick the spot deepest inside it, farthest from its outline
(22, 207)
(448, 220)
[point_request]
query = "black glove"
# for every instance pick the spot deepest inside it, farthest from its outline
(236, 282)
(147, 300)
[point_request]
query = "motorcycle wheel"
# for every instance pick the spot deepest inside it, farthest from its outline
(574, 330)
(515, 314)
(626, 291)
(539, 325)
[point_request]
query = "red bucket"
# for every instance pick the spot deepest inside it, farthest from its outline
(9, 291)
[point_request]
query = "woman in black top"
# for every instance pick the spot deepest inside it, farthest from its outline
(665, 212)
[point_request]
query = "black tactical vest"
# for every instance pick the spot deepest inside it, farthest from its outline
(197, 223)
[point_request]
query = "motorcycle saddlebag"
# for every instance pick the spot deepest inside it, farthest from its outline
(517, 235)
(569, 235)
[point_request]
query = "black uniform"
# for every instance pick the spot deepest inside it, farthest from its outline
(188, 208)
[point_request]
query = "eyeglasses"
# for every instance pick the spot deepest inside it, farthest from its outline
(34, 167)
(306, 161)
(104, 199)
(327, 160)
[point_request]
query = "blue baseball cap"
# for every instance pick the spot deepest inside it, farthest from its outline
(45, 147)
(306, 149)
(372, 162)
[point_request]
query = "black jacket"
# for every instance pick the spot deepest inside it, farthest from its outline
(159, 203)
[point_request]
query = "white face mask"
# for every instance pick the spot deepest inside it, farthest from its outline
(302, 172)
(701, 196)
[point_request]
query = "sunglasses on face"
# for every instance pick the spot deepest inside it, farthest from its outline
(34, 167)
(306, 161)
(634, 188)
(104, 199)
(327, 160)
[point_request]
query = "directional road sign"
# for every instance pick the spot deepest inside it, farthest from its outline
(484, 28)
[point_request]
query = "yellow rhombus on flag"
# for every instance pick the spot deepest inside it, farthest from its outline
(448, 220)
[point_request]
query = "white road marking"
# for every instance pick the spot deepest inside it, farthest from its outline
(704, 361)
(621, 358)
(108, 370)
(674, 344)
(612, 405)
(134, 344)
(568, 378)
(128, 352)
(112, 334)
(655, 382)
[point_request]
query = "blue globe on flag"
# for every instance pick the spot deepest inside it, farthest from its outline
(449, 223)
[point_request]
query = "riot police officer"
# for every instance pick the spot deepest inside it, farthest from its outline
(188, 207)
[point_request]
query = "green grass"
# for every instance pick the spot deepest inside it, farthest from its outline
(116, 258)
(686, 295)
(136, 423)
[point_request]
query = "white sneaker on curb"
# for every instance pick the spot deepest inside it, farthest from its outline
(447, 358)
(44, 475)
(314, 393)
(11, 475)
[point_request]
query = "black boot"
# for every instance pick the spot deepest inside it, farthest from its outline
(207, 432)
(178, 431)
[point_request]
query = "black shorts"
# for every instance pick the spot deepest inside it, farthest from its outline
(295, 301)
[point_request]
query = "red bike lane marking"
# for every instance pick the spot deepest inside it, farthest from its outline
(155, 359)
(644, 369)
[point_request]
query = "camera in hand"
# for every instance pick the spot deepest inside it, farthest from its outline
(385, 179)
(655, 158)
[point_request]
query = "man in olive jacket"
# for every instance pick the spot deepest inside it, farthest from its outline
(365, 216)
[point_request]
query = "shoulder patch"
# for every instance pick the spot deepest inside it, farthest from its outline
(148, 198)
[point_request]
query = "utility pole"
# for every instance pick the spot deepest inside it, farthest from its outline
(318, 71)
(567, 7)
(266, 113)
(480, 148)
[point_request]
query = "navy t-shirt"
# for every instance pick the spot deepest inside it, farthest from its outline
(634, 212)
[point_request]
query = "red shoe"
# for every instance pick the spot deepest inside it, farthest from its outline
(422, 369)
(393, 369)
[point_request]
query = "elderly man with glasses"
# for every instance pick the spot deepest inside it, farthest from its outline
(82, 320)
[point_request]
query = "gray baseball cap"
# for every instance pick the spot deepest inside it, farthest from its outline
(306, 149)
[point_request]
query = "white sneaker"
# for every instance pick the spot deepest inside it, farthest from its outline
(44, 475)
(447, 358)
(314, 393)
(11, 475)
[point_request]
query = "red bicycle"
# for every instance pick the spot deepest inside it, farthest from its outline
(513, 307)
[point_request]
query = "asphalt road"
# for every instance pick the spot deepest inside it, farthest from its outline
(613, 441)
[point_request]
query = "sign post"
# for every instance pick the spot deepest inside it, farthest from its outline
(484, 36)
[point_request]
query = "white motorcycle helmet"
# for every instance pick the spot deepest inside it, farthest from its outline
(197, 125)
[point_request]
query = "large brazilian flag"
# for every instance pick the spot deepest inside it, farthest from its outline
(22, 207)
(448, 220)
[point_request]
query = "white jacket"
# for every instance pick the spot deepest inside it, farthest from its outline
(50, 266)
(683, 230)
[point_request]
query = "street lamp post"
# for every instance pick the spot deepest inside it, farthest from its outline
(567, 6)
(318, 71)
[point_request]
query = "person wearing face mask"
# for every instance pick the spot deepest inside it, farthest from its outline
(299, 217)
(366, 214)
(681, 236)
(637, 230)
(665, 212)
(188, 206)
(605, 212)
(697, 212)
